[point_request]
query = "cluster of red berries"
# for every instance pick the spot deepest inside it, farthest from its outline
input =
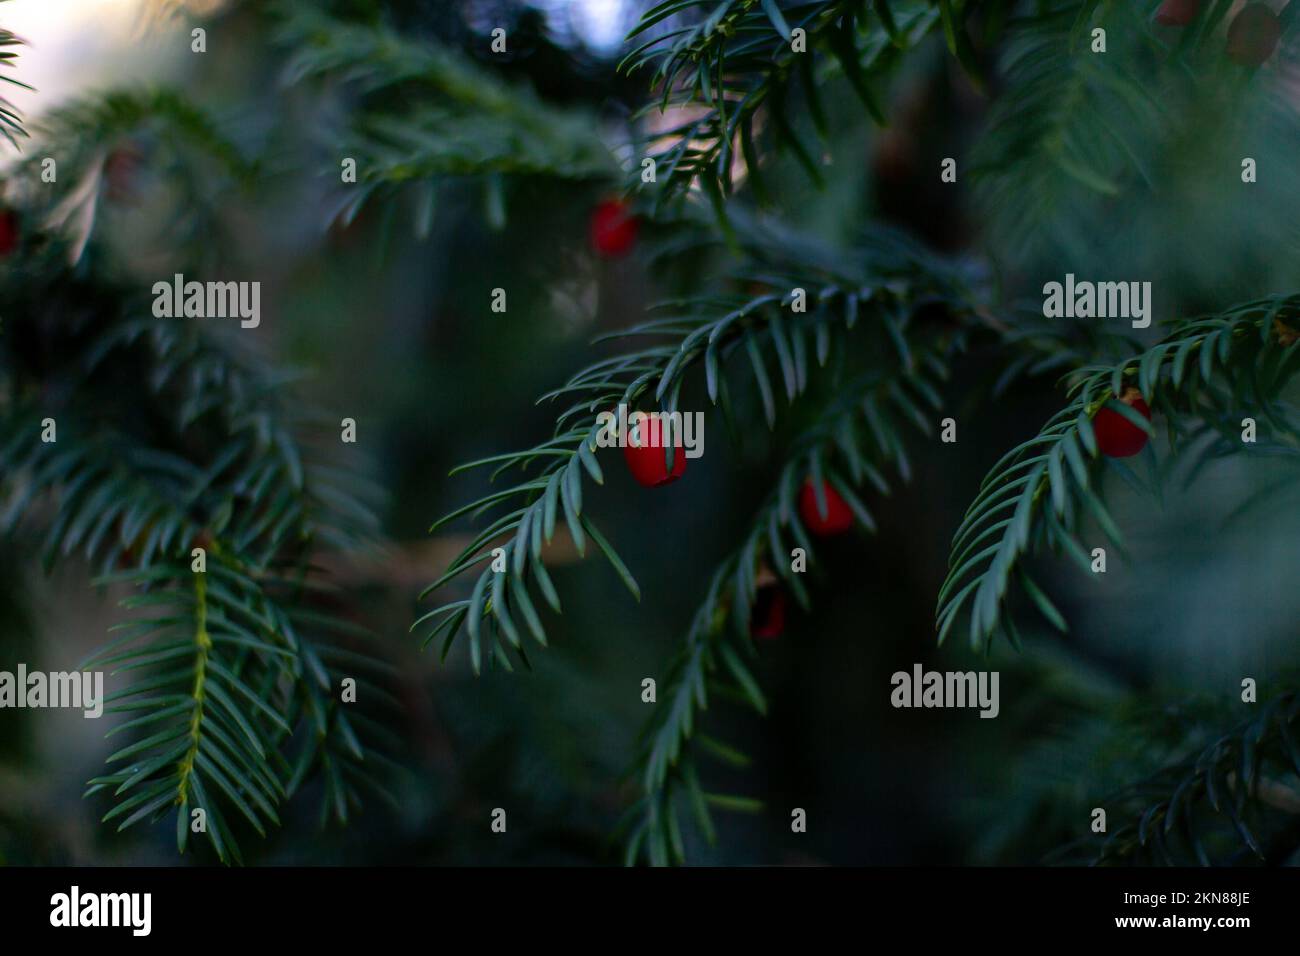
(767, 620)
(646, 461)
(1117, 437)
(1252, 35)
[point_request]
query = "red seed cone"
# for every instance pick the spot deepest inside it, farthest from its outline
(1253, 35)
(644, 454)
(838, 517)
(767, 619)
(1117, 437)
(613, 228)
(9, 232)
(1177, 13)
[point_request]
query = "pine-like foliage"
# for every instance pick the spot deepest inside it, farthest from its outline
(1225, 802)
(872, 304)
(848, 444)
(724, 72)
(170, 438)
(423, 114)
(11, 124)
(734, 62)
(1077, 134)
(1204, 377)
(129, 441)
(757, 331)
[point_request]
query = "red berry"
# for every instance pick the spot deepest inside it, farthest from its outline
(613, 228)
(767, 618)
(1177, 13)
(8, 231)
(838, 517)
(644, 453)
(1117, 437)
(1253, 36)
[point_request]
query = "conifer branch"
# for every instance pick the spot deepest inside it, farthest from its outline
(11, 122)
(155, 437)
(1231, 801)
(1164, 764)
(756, 328)
(423, 114)
(737, 57)
(1209, 370)
(154, 128)
(1184, 781)
(848, 445)
(1075, 128)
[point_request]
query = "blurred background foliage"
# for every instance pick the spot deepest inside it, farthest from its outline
(481, 171)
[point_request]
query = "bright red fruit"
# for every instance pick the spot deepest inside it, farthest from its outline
(1253, 35)
(613, 228)
(767, 619)
(8, 231)
(1177, 13)
(646, 459)
(1117, 437)
(838, 517)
